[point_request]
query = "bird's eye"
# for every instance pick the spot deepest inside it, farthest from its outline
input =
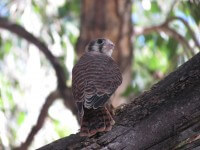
(99, 41)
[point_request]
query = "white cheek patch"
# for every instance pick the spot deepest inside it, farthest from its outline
(108, 52)
(95, 48)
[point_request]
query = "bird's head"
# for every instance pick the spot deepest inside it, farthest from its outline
(101, 45)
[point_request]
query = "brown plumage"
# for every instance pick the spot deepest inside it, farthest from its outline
(94, 79)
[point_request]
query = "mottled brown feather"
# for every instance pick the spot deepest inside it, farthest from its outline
(95, 78)
(95, 73)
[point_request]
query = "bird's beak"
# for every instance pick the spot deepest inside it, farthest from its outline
(111, 45)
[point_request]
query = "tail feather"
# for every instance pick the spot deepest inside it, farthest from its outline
(96, 120)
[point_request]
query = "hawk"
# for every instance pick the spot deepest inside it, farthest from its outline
(95, 78)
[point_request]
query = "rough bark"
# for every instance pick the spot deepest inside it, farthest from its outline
(165, 117)
(110, 19)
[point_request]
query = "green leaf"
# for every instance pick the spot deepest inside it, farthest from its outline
(36, 8)
(7, 46)
(172, 46)
(191, 8)
(1, 102)
(159, 41)
(21, 117)
(129, 90)
(154, 7)
(61, 130)
(69, 9)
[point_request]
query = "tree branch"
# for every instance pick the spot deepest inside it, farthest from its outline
(43, 113)
(171, 8)
(23, 33)
(165, 117)
(164, 27)
(189, 29)
(42, 116)
(63, 91)
(171, 32)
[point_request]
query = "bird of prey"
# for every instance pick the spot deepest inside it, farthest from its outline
(95, 78)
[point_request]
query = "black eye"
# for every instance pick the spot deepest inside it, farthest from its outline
(99, 41)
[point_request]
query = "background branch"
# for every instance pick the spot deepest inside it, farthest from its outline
(189, 29)
(171, 8)
(63, 91)
(41, 119)
(164, 27)
(171, 32)
(23, 33)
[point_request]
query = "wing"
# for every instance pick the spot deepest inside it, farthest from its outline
(94, 79)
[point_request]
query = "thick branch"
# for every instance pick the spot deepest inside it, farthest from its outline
(165, 117)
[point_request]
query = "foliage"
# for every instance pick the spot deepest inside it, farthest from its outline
(157, 54)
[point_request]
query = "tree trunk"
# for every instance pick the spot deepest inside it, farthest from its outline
(109, 19)
(165, 117)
